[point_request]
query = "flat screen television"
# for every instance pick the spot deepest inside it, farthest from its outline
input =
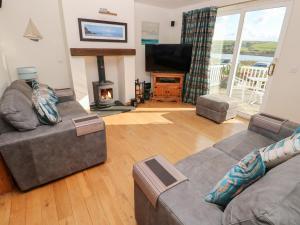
(168, 58)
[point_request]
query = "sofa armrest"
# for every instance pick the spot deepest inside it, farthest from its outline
(271, 126)
(65, 95)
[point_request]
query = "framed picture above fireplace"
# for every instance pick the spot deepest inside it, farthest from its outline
(102, 31)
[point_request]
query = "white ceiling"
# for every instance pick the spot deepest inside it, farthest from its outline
(170, 3)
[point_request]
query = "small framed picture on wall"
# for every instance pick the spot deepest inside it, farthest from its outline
(102, 31)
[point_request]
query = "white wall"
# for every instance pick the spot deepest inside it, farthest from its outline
(49, 54)
(4, 76)
(284, 93)
(71, 11)
(154, 14)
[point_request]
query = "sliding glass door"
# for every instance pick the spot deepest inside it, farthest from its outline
(224, 40)
(245, 46)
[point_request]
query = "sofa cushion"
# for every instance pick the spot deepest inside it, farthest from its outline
(250, 169)
(17, 110)
(239, 145)
(23, 87)
(184, 204)
(45, 108)
(45, 91)
(281, 151)
(49, 93)
(274, 199)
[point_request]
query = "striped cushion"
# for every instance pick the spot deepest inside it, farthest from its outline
(44, 104)
(45, 91)
(281, 151)
(247, 171)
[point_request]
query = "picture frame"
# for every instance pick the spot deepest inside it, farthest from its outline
(102, 31)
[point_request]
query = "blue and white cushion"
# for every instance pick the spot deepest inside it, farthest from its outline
(44, 105)
(281, 151)
(45, 91)
(247, 171)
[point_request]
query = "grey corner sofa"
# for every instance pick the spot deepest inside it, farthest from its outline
(184, 204)
(48, 153)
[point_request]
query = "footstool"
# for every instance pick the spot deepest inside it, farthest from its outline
(217, 108)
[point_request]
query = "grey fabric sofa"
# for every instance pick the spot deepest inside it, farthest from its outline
(184, 204)
(48, 153)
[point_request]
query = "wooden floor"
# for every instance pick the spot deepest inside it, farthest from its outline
(104, 194)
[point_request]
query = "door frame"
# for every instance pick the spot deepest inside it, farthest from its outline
(242, 9)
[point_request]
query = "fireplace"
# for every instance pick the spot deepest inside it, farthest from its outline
(106, 94)
(103, 89)
(103, 93)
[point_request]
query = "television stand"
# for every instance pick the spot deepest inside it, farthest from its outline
(167, 87)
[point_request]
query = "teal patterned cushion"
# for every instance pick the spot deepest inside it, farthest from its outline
(45, 91)
(281, 151)
(44, 105)
(247, 171)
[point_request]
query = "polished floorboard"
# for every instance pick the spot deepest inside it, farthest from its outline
(104, 194)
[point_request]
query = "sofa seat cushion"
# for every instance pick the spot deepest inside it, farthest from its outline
(185, 204)
(241, 144)
(274, 199)
(70, 110)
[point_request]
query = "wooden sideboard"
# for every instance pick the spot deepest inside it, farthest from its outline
(6, 184)
(167, 86)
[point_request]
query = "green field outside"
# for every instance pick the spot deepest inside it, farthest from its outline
(259, 48)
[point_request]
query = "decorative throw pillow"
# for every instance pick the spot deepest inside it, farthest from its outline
(45, 107)
(45, 91)
(16, 109)
(281, 151)
(247, 171)
(23, 87)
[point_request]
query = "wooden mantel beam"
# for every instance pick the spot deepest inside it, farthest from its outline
(102, 52)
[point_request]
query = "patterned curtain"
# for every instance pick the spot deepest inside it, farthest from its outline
(198, 29)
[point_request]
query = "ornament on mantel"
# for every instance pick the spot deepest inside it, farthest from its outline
(106, 12)
(32, 32)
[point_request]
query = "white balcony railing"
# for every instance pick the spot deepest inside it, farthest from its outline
(248, 78)
(216, 74)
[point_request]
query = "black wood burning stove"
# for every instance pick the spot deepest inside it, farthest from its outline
(103, 89)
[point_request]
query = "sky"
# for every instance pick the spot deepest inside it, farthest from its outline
(262, 25)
